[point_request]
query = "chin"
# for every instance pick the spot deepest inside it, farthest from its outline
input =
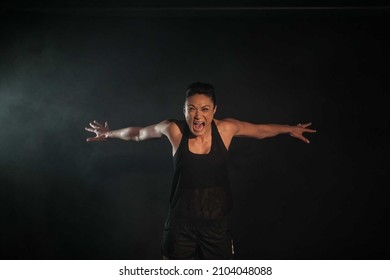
(204, 130)
(197, 133)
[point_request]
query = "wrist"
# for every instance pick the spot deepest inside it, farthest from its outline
(109, 134)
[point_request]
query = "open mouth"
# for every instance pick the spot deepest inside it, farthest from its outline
(198, 126)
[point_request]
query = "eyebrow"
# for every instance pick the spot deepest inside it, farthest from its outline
(189, 105)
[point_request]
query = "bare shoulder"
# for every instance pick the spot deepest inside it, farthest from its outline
(227, 124)
(174, 126)
(227, 127)
(171, 128)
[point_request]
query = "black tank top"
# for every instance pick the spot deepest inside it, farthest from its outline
(200, 187)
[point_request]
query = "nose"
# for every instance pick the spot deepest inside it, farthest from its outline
(197, 114)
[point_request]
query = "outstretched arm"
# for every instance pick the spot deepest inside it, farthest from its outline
(261, 131)
(129, 133)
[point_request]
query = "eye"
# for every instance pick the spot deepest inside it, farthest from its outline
(191, 109)
(205, 110)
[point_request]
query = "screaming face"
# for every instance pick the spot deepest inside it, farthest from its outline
(199, 112)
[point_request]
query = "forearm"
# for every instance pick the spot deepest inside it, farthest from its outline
(127, 134)
(271, 130)
(261, 131)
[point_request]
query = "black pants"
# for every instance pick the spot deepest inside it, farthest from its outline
(186, 240)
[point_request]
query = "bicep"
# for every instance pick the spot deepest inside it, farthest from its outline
(153, 131)
(247, 129)
(244, 129)
(164, 129)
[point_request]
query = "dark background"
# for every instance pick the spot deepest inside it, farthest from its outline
(66, 64)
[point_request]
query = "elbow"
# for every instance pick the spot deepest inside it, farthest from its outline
(129, 135)
(261, 134)
(261, 137)
(140, 136)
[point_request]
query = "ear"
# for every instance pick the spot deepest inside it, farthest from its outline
(215, 109)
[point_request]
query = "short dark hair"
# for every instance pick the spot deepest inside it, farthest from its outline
(202, 88)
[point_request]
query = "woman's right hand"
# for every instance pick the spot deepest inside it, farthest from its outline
(100, 131)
